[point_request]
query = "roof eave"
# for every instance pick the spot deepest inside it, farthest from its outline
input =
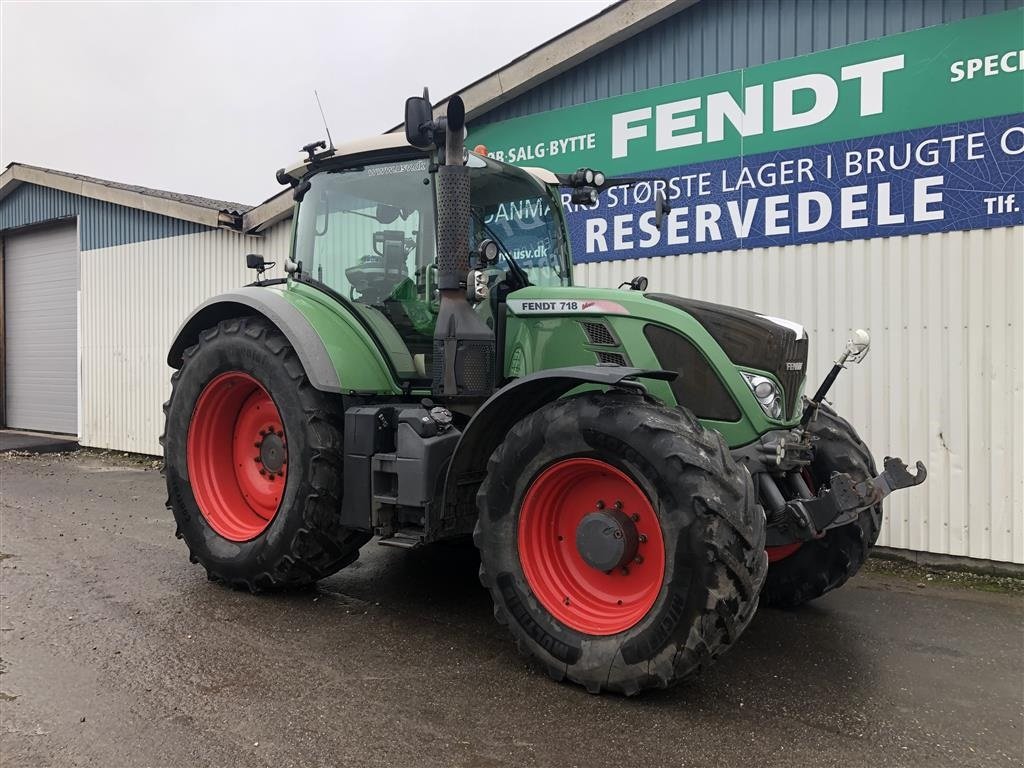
(16, 174)
(265, 215)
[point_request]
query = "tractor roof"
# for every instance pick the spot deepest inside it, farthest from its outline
(382, 143)
(351, 149)
(279, 206)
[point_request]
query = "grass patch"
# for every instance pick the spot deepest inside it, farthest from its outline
(925, 576)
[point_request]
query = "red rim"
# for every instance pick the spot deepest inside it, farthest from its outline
(237, 456)
(783, 551)
(575, 592)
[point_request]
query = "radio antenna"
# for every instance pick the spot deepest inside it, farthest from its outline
(322, 115)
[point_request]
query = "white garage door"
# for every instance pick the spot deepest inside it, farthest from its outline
(40, 314)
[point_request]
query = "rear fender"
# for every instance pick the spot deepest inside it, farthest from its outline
(335, 356)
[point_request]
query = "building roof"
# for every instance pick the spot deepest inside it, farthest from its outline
(202, 210)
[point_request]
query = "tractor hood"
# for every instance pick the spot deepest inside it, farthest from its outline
(673, 333)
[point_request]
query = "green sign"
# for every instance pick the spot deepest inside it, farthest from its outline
(939, 75)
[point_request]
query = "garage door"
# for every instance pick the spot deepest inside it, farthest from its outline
(40, 329)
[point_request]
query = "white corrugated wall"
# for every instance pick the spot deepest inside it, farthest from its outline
(134, 298)
(942, 383)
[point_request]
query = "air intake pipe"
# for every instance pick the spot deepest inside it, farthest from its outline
(464, 350)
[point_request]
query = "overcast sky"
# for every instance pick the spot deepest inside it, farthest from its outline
(212, 98)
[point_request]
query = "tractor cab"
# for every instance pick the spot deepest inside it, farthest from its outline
(367, 233)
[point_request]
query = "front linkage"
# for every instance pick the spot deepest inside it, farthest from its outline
(778, 462)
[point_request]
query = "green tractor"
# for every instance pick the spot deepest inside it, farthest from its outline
(636, 469)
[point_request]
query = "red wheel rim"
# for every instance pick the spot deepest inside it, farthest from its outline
(576, 593)
(237, 456)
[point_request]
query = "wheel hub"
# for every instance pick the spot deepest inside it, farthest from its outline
(272, 454)
(237, 456)
(607, 539)
(596, 567)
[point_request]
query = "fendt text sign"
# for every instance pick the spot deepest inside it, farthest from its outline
(913, 133)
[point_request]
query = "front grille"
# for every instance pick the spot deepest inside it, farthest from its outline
(697, 387)
(599, 333)
(611, 358)
(793, 351)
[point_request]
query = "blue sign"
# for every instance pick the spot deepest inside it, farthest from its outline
(959, 176)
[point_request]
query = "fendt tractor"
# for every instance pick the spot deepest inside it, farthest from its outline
(636, 469)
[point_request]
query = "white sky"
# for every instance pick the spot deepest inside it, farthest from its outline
(212, 98)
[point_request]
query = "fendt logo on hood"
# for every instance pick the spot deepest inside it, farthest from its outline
(565, 307)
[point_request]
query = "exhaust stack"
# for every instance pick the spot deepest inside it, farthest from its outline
(464, 350)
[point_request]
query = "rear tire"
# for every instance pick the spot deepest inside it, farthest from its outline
(821, 565)
(272, 522)
(701, 536)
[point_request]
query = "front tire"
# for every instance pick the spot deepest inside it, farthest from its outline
(824, 564)
(566, 488)
(253, 458)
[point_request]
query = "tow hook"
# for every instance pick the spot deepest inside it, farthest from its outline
(808, 518)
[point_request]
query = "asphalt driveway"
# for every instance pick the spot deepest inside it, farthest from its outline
(117, 652)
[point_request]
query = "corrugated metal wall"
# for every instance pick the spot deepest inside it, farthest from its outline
(722, 35)
(134, 298)
(101, 224)
(944, 381)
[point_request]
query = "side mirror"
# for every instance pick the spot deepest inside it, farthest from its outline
(386, 214)
(419, 117)
(661, 209)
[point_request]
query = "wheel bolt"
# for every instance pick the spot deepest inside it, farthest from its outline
(625, 571)
(600, 504)
(257, 445)
(618, 505)
(257, 459)
(638, 559)
(643, 538)
(567, 601)
(634, 517)
(281, 435)
(263, 472)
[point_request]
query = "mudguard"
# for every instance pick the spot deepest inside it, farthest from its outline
(290, 321)
(492, 422)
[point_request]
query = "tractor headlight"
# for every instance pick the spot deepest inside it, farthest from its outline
(767, 394)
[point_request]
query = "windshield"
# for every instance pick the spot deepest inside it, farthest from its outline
(515, 209)
(368, 233)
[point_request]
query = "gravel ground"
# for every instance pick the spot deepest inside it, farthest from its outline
(117, 652)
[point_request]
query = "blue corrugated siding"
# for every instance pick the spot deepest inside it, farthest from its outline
(722, 35)
(101, 224)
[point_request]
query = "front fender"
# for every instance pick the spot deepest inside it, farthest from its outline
(332, 349)
(493, 420)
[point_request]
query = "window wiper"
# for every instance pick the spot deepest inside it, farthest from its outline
(520, 273)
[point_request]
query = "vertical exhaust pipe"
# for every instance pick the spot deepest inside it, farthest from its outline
(464, 351)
